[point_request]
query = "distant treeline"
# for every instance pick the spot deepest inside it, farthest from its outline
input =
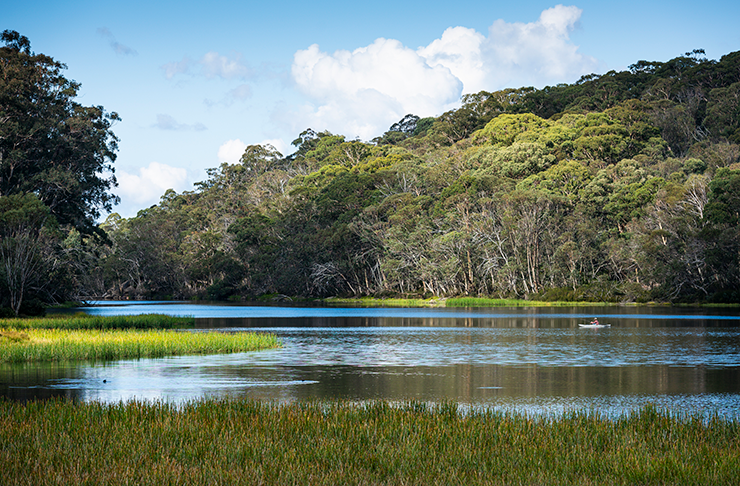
(619, 187)
(624, 186)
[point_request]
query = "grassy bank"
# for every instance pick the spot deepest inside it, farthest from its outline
(96, 345)
(389, 302)
(457, 302)
(85, 321)
(486, 302)
(245, 442)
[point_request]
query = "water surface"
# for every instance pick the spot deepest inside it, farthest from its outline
(536, 359)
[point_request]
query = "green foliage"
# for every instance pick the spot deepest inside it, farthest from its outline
(568, 178)
(505, 129)
(723, 206)
(56, 166)
(51, 145)
(618, 187)
(28, 252)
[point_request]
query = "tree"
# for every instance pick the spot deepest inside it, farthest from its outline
(51, 145)
(24, 241)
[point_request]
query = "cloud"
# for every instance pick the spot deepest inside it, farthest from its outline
(371, 84)
(146, 187)
(167, 122)
(278, 143)
(211, 65)
(241, 93)
(231, 151)
(514, 54)
(362, 92)
(119, 48)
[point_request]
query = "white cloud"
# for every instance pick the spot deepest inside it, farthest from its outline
(148, 186)
(231, 151)
(278, 143)
(241, 92)
(371, 85)
(114, 44)
(460, 50)
(361, 93)
(172, 69)
(238, 94)
(537, 53)
(211, 65)
(167, 122)
(215, 65)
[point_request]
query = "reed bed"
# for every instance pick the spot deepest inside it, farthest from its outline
(383, 302)
(486, 302)
(108, 344)
(85, 321)
(247, 442)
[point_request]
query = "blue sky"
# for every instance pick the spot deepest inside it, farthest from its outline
(195, 82)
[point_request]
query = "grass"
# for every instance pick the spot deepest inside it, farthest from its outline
(246, 442)
(486, 302)
(86, 321)
(457, 302)
(96, 345)
(390, 302)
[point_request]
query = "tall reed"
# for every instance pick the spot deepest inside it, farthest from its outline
(247, 442)
(486, 302)
(108, 344)
(85, 321)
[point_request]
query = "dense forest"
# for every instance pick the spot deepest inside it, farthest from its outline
(619, 187)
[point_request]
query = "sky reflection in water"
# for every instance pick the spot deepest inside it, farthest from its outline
(534, 360)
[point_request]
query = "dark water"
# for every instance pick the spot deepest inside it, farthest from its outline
(534, 360)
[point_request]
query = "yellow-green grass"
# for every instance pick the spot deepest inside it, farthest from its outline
(85, 321)
(457, 302)
(95, 345)
(487, 302)
(246, 442)
(390, 302)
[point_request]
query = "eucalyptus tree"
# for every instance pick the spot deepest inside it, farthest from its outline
(50, 145)
(56, 166)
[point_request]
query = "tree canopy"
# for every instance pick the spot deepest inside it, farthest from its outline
(56, 174)
(51, 145)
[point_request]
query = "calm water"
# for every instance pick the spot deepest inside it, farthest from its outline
(534, 360)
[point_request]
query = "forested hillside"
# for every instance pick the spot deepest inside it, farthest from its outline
(624, 186)
(620, 187)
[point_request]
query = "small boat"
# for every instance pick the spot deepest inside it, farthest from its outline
(594, 326)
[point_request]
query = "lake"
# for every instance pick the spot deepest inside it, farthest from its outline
(535, 360)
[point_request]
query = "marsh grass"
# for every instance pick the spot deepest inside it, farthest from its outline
(85, 321)
(390, 302)
(485, 302)
(109, 344)
(247, 442)
(13, 336)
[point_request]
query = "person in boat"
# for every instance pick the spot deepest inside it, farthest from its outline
(595, 322)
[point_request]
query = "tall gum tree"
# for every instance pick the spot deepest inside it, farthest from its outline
(56, 165)
(50, 145)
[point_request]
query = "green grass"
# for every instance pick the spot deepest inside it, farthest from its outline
(95, 345)
(457, 302)
(390, 302)
(85, 321)
(246, 442)
(487, 302)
